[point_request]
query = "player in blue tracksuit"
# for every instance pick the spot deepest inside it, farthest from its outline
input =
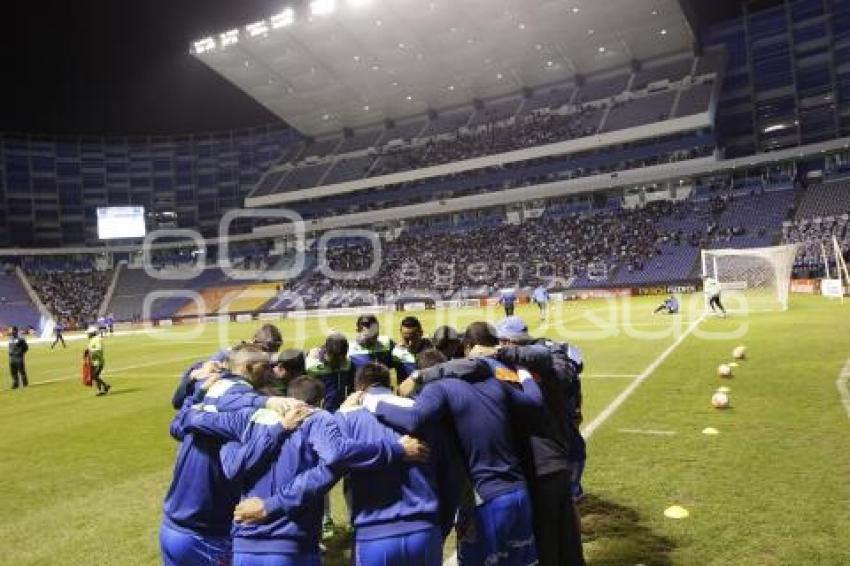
(541, 299)
(279, 521)
(507, 300)
(670, 304)
(396, 512)
(268, 338)
(502, 532)
(199, 504)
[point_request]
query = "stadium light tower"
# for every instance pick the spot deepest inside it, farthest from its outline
(322, 7)
(283, 19)
(257, 28)
(204, 45)
(229, 37)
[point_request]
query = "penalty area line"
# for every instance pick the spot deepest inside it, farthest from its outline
(612, 407)
(650, 432)
(842, 384)
(621, 398)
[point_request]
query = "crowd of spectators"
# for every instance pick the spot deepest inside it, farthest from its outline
(487, 179)
(813, 237)
(531, 130)
(73, 297)
(554, 249)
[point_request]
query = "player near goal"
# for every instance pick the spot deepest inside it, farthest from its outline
(712, 290)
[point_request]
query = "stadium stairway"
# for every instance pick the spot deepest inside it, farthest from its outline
(107, 298)
(16, 308)
(211, 299)
(249, 299)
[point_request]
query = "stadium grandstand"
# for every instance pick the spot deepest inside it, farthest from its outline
(440, 156)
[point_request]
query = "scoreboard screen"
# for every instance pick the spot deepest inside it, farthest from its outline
(116, 222)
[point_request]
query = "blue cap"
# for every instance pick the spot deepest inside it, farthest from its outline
(513, 328)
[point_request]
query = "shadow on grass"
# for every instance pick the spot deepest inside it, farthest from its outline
(115, 392)
(613, 534)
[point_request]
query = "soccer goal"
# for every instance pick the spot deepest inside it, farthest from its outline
(834, 287)
(754, 279)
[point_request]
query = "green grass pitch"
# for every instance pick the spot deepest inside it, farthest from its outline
(82, 478)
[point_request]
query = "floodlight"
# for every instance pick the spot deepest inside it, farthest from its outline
(257, 28)
(322, 7)
(229, 37)
(204, 45)
(283, 19)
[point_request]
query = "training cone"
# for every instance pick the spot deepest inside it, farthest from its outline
(676, 512)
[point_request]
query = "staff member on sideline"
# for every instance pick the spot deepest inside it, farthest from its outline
(96, 351)
(17, 350)
(58, 330)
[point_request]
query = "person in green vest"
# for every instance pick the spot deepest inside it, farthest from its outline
(95, 350)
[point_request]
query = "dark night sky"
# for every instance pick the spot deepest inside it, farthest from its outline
(123, 66)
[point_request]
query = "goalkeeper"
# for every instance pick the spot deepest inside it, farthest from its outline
(712, 290)
(670, 305)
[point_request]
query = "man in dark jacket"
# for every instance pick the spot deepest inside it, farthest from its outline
(17, 350)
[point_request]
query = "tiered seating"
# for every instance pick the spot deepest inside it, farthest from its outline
(760, 216)
(495, 112)
(603, 88)
(640, 111)
(673, 71)
(16, 309)
(459, 134)
(250, 299)
(673, 264)
(346, 169)
(134, 285)
(321, 148)
(811, 235)
(827, 199)
(211, 299)
(359, 141)
(304, 177)
(447, 122)
(694, 100)
(548, 98)
(405, 131)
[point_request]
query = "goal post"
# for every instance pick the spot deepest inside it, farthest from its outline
(752, 279)
(834, 287)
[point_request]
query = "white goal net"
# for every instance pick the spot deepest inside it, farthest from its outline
(754, 279)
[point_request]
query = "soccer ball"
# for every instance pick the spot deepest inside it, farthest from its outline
(720, 400)
(739, 353)
(724, 370)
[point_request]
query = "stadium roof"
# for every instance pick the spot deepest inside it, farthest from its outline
(334, 64)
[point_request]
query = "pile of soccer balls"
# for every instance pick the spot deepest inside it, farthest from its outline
(720, 399)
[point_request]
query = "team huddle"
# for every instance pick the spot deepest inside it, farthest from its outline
(477, 433)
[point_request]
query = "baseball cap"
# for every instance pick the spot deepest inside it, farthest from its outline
(512, 328)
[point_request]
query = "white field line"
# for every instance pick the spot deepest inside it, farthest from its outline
(79, 336)
(621, 398)
(612, 407)
(76, 371)
(647, 431)
(843, 388)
